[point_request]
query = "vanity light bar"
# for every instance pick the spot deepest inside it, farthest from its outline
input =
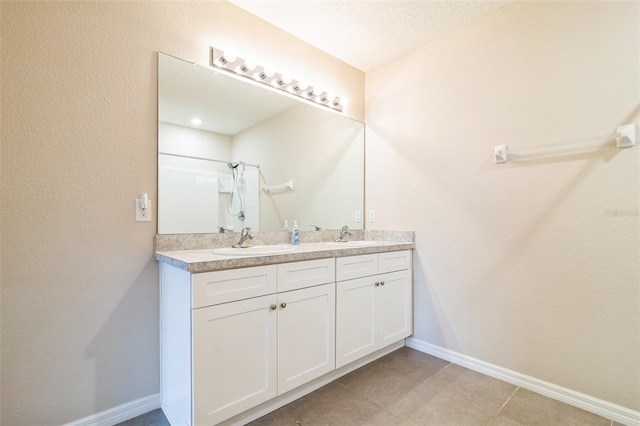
(260, 74)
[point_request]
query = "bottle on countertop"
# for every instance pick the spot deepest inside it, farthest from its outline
(286, 226)
(295, 235)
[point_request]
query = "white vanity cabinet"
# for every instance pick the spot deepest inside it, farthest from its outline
(247, 352)
(374, 304)
(238, 343)
(232, 340)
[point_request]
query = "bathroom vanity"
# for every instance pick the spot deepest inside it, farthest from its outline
(246, 331)
(244, 335)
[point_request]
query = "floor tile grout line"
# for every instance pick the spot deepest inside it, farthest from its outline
(365, 398)
(362, 396)
(508, 399)
(436, 373)
(343, 385)
(384, 365)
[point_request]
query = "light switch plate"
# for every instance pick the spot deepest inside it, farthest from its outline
(143, 215)
(358, 216)
(372, 216)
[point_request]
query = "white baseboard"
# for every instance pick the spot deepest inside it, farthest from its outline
(594, 405)
(120, 413)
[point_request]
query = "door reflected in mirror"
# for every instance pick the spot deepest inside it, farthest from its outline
(251, 157)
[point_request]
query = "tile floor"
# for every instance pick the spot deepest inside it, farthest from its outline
(410, 388)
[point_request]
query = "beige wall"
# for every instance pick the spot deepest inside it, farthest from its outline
(79, 284)
(521, 265)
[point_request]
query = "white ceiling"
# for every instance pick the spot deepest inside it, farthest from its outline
(368, 33)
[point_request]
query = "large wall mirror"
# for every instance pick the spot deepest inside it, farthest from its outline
(232, 154)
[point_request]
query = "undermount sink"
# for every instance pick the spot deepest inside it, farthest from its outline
(253, 251)
(354, 243)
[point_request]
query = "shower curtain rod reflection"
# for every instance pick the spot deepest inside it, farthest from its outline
(257, 166)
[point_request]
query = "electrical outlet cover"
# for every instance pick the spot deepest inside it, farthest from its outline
(143, 215)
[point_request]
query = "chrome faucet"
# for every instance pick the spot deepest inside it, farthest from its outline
(244, 236)
(343, 234)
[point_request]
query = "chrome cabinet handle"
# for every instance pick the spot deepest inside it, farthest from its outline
(283, 305)
(377, 284)
(381, 282)
(274, 307)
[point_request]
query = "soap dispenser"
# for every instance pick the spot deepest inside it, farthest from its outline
(295, 235)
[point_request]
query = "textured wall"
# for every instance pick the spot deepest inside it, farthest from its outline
(79, 285)
(524, 265)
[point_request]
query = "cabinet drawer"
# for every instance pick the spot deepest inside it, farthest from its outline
(212, 288)
(351, 267)
(394, 261)
(293, 276)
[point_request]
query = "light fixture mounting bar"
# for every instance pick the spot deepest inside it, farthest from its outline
(241, 67)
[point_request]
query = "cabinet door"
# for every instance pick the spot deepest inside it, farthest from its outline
(356, 333)
(306, 335)
(395, 307)
(234, 358)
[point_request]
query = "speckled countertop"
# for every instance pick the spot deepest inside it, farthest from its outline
(205, 260)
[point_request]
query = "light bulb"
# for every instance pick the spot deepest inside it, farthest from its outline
(286, 79)
(282, 80)
(298, 86)
(225, 58)
(229, 56)
(268, 72)
(321, 98)
(264, 74)
(245, 68)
